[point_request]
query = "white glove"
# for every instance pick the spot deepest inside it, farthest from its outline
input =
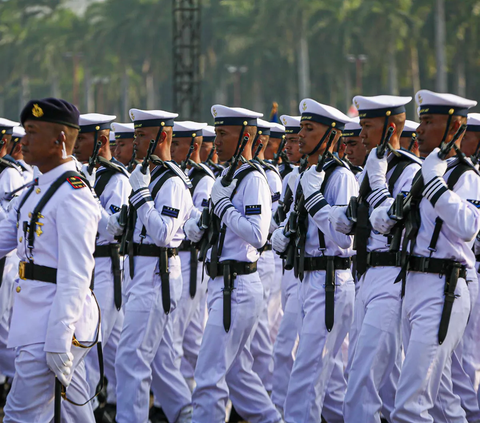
(433, 166)
(380, 220)
(193, 232)
(113, 227)
(339, 220)
(273, 226)
(279, 240)
(219, 191)
(312, 181)
(376, 170)
(138, 180)
(89, 177)
(292, 179)
(61, 364)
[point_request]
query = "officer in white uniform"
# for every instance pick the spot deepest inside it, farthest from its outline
(436, 304)
(325, 297)
(287, 333)
(373, 372)
(15, 150)
(242, 211)
(408, 140)
(110, 183)
(55, 242)
(160, 204)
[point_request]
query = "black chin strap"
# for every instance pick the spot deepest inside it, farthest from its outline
(240, 138)
(327, 132)
(449, 120)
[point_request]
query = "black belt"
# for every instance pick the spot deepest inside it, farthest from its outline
(151, 250)
(185, 245)
(106, 250)
(267, 247)
(477, 257)
(237, 267)
(320, 263)
(112, 251)
(433, 265)
(36, 272)
(452, 271)
(379, 259)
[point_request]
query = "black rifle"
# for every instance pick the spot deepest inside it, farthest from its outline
(412, 142)
(183, 165)
(92, 161)
(278, 154)
(228, 178)
(476, 156)
(132, 161)
(292, 228)
(151, 148)
(257, 151)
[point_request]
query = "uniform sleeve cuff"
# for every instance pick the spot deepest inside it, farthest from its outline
(222, 206)
(377, 197)
(140, 197)
(315, 202)
(435, 189)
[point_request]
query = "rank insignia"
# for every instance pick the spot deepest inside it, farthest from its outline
(304, 107)
(252, 210)
(37, 111)
(204, 202)
(170, 212)
(114, 209)
(76, 182)
(275, 197)
(476, 203)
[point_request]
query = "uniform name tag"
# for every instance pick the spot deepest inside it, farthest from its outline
(275, 197)
(204, 202)
(114, 209)
(476, 203)
(251, 210)
(170, 212)
(76, 182)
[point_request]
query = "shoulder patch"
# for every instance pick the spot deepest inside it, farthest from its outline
(204, 202)
(170, 212)
(252, 210)
(476, 203)
(114, 209)
(275, 197)
(76, 182)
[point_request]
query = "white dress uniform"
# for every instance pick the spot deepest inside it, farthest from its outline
(318, 346)
(113, 192)
(224, 366)
(147, 329)
(427, 359)
(373, 372)
(64, 240)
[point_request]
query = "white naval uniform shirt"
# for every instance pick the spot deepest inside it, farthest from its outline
(202, 192)
(458, 208)
(378, 241)
(248, 220)
(164, 216)
(27, 171)
(113, 197)
(10, 179)
(275, 183)
(340, 187)
(65, 239)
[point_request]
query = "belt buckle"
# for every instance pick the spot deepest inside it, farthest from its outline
(21, 270)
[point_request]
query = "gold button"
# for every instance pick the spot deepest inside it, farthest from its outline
(38, 190)
(21, 239)
(19, 288)
(30, 214)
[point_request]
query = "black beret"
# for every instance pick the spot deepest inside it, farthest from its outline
(52, 110)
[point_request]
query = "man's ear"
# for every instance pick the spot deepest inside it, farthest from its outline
(103, 139)
(454, 126)
(61, 138)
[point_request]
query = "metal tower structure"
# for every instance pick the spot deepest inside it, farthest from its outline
(186, 58)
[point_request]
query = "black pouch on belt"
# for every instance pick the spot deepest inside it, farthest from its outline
(451, 279)
(193, 271)
(117, 275)
(228, 279)
(330, 293)
(165, 277)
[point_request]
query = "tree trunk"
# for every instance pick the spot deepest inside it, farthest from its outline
(415, 74)
(303, 61)
(150, 85)
(24, 91)
(125, 95)
(392, 71)
(440, 36)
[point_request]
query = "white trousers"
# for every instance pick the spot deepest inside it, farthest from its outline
(317, 348)
(425, 359)
(224, 366)
(284, 347)
(262, 346)
(145, 326)
(375, 352)
(275, 310)
(31, 398)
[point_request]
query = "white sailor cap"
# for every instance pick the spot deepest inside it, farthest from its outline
(209, 133)
(443, 104)
(291, 123)
(18, 132)
(92, 122)
(473, 122)
(327, 115)
(380, 105)
(234, 116)
(149, 118)
(264, 127)
(352, 128)
(187, 129)
(277, 131)
(123, 130)
(111, 137)
(410, 128)
(6, 126)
